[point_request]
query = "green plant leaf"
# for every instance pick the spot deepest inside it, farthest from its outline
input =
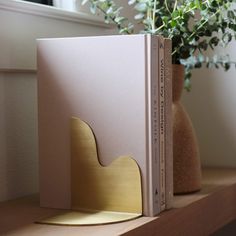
(194, 26)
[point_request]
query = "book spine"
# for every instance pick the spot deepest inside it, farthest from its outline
(168, 123)
(154, 155)
(162, 123)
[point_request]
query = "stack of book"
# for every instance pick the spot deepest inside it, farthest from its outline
(121, 87)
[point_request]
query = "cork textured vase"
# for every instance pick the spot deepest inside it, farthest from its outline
(187, 167)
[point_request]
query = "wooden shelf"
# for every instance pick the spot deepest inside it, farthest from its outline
(197, 214)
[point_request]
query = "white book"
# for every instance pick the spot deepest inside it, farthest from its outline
(168, 124)
(111, 82)
(161, 120)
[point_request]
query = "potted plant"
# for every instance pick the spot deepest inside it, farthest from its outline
(194, 26)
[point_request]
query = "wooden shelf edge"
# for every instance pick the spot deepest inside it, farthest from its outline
(197, 214)
(202, 217)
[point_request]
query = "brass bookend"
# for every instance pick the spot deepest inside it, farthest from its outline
(99, 194)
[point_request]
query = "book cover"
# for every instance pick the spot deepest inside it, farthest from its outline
(168, 123)
(161, 121)
(107, 81)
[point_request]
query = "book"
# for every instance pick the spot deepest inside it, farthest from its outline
(168, 124)
(161, 119)
(113, 84)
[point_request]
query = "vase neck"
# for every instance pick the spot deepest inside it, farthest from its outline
(177, 81)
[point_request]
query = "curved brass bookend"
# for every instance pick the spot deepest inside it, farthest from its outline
(99, 194)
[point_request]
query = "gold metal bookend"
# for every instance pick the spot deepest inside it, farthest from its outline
(108, 194)
(79, 218)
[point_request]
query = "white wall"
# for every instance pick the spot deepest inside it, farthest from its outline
(18, 97)
(18, 136)
(19, 33)
(212, 107)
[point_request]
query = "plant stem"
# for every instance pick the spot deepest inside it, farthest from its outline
(175, 5)
(160, 27)
(201, 25)
(167, 7)
(194, 32)
(112, 18)
(154, 16)
(175, 18)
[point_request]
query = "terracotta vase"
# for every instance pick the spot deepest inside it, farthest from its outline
(187, 167)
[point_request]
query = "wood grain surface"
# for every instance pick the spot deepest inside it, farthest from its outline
(200, 213)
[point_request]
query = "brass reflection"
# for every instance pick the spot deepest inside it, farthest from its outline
(99, 194)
